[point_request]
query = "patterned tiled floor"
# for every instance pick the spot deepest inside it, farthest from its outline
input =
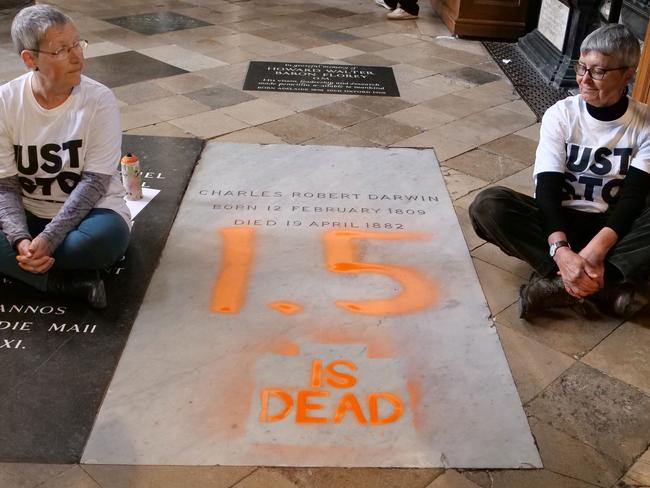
(584, 382)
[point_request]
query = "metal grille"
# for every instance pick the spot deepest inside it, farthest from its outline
(529, 83)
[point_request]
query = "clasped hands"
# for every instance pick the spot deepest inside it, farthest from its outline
(583, 273)
(34, 255)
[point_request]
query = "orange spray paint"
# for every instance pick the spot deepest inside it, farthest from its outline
(229, 292)
(285, 307)
(342, 256)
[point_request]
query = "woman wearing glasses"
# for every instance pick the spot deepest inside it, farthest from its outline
(61, 207)
(587, 231)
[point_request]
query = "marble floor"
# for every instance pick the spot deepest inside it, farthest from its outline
(584, 382)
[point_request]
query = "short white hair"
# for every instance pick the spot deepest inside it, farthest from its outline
(614, 40)
(30, 25)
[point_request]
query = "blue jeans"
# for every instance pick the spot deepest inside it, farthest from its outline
(99, 241)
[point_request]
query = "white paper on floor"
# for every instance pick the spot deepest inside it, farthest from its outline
(314, 306)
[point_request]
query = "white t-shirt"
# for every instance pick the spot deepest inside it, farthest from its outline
(49, 149)
(593, 155)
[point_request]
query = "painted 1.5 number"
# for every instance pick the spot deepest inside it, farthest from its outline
(341, 256)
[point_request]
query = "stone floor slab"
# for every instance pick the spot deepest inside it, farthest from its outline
(167, 476)
(534, 365)
(74, 477)
(625, 354)
(597, 410)
(493, 255)
(452, 479)
(515, 147)
(109, 69)
(485, 165)
(14, 475)
(264, 478)
(219, 96)
(499, 286)
(531, 479)
(383, 131)
(639, 473)
(361, 477)
(298, 128)
(182, 58)
(340, 114)
(566, 330)
(570, 457)
(209, 124)
(458, 183)
(223, 386)
(157, 22)
(471, 239)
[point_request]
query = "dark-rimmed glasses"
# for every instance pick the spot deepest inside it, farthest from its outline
(64, 52)
(595, 73)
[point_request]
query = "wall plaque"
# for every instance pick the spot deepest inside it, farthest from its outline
(321, 78)
(553, 22)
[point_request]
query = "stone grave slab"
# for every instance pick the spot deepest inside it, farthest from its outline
(110, 71)
(157, 22)
(342, 79)
(58, 355)
(314, 306)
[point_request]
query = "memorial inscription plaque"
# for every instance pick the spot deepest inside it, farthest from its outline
(56, 354)
(553, 22)
(314, 306)
(321, 78)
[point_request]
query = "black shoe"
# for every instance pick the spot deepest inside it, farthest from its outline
(85, 285)
(543, 293)
(617, 300)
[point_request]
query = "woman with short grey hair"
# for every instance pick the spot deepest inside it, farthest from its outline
(586, 232)
(62, 212)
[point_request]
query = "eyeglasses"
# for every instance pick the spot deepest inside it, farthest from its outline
(64, 52)
(595, 73)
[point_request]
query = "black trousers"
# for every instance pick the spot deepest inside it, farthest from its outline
(513, 222)
(411, 6)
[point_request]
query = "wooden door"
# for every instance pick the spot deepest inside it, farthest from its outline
(642, 85)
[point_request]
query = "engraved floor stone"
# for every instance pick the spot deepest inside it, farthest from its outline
(157, 22)
(308, 312)
(322, 78)
(63, 354)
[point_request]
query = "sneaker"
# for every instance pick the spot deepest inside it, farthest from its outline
(383, 4)
(400, 14)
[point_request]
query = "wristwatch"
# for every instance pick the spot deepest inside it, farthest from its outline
(557, 245)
